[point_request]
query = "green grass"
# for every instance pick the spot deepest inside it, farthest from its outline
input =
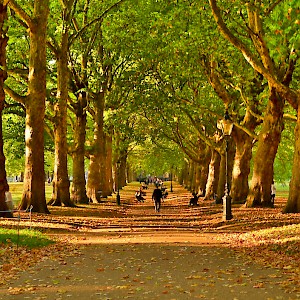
(16, 189)
(282, 194)
(26, 237)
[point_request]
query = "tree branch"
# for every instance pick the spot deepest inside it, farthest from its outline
(21, 13)
(14, 95)
(13, 108)
(273, 5)
(81, 31)
(284, 91)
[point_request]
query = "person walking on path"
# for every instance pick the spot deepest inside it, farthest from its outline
(273, 192)
(156, 197)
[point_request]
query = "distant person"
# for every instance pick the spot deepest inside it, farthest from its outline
(273, 192)
(165, 194)
(156, 197)
(164, 191)
(8, 199)
(194, 200)
(139, 197)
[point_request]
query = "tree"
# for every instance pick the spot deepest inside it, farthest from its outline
(258, 51)
(61, 183)
(34, 101)
(3, 76)
(240, 91)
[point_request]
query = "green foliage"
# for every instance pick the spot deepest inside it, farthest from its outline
(157, 53)
(14, 147)
(283, 31)
(24, 237)
(156, 158)
(284, 158)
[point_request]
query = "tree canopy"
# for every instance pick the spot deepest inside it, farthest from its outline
(145, 83)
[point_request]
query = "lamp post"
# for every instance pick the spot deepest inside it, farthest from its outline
(118, 183)
(226, 126)
(171, 188)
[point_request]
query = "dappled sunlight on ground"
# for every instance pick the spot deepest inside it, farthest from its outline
(262, 235)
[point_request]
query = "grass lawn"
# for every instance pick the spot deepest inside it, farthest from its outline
(16, 189)
(24, 237)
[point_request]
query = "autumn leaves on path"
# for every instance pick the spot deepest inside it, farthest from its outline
(131, 252)
(148, 271)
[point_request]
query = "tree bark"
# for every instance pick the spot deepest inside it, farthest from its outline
(293, 203)
(78, 188)
(108, 184)
(197, 177)
(192, 176)
(97, 152)
(186, 175)
(268, 141)
(61, 182)
(106, 162)
(213, 175)
(204, 169)
(241, 167)
(3, 75)
(34, 175)
(123, 168)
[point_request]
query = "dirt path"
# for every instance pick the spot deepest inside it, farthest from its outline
(144, 255)
(157, 265)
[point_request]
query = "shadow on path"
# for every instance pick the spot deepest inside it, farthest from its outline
(130, 252)
(145, 265)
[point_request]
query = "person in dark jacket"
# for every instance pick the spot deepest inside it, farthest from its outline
(139, 195)
(194, 200)
(156, 197)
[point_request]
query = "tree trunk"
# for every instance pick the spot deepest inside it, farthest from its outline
(97, 153)
(129, 173)
(197, 177)
(262, 62)
(3, 76)
(34, 176)
(213, 175)
(106, 162)
(78, 190)
(293, 203)
(61, 183)
(268, 141)
(204, 169)
(93, 184)
(183, 175)
(108, 184)
(192, 176)
(241, 167)
(122, 171)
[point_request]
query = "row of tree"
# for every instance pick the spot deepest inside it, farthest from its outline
(94, 80)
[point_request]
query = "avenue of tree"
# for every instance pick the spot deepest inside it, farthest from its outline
(125, 87)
